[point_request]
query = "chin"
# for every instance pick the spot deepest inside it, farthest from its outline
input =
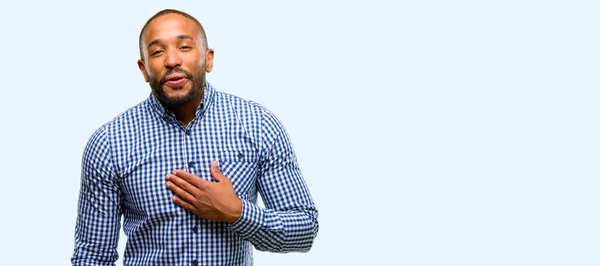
(180, 93)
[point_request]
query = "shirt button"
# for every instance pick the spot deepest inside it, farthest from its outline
(188, 132)
(195, 229)
(195, 262)
(191, 164)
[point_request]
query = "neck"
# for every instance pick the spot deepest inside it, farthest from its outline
(187, 112)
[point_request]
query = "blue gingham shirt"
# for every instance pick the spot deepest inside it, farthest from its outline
(123, 174)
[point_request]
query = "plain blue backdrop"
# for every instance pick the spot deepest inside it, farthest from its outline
(429, 132)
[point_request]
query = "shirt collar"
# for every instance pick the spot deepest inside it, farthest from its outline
(207, 99)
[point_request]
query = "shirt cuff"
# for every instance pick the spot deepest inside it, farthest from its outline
(250, 221)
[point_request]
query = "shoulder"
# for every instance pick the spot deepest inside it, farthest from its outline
(250, 111)
(238, 104)
(128, 118)
(100, 139)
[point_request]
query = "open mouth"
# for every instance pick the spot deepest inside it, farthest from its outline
(175, 80)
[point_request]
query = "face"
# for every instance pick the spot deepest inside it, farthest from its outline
(175, 63)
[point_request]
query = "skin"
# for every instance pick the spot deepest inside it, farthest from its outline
(172, 44)
(215, 201)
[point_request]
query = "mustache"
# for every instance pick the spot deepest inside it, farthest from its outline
(187, 74)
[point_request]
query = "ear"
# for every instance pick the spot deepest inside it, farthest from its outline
(142, 68)
(210, 55)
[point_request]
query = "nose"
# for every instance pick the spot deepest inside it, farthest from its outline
(172, 59)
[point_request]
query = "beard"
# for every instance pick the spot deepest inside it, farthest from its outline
(198, 82)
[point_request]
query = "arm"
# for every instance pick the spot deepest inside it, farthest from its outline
(289, 221)
(99, 212)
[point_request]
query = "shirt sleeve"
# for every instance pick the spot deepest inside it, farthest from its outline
(99, 207)
(289, 220)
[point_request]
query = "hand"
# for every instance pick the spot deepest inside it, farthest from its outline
(215, 201)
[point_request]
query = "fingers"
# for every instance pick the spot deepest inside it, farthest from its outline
(184, 204)
(216, 172)
(181, 188)
(197, 181)
(189, 178)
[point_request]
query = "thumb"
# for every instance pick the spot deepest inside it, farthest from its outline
(216, 172)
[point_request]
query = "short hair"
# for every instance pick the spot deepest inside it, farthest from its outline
(203, 42)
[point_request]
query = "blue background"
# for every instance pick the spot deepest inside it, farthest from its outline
(429, 132)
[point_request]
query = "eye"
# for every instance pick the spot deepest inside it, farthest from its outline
(185, 47)
(156, 52)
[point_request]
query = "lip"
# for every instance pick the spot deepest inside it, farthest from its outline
(176, 80)
(176, 83)
(175, 75)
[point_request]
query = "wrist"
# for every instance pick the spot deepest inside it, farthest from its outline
(236, 211)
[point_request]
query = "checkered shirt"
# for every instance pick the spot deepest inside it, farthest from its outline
(123, 175)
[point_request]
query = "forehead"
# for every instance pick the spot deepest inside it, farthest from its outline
(169, 26)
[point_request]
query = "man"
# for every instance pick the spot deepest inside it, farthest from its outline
(184, 168)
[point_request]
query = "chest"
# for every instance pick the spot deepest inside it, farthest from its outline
(146, 158)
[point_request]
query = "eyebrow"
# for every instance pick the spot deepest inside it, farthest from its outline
(179, 37)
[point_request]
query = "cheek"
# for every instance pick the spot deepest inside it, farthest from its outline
(199, 67)
(195, 62)
(153, 71)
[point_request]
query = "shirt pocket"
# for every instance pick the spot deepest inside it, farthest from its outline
(242, 168)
